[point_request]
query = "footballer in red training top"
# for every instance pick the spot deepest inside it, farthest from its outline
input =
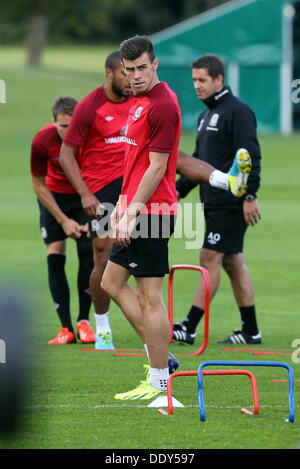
(45, 151)
(154, 125)
(151, 150)
(97, 129)
(62, 216)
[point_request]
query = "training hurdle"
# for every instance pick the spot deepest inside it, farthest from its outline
(272, 353)
(246, 363)
(205, 276)
(284, 380)
(111, 350)
(251, 349)
(215, 372)
(171, 310)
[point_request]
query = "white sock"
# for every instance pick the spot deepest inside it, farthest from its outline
(219, 179)
(102, 323)
(146, 349)
(159, 378)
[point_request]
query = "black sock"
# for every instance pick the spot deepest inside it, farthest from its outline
(248, 316)
(193, 319)
(59, 288)
(86, 264)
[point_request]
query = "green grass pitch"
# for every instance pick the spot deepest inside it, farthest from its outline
(71, 403)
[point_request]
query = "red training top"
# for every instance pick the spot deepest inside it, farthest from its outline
(153, 125)
(45, 151)
(97, 128)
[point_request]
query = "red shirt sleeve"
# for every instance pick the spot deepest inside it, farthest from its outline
(39, 159)
(80, 124)
(83, 118)
(163, 120)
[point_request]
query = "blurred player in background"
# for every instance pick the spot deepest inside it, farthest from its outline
(15, 342)
(223, 128)
(62, 216)
(98, 129)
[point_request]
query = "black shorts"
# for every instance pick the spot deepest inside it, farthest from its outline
(70, 204)
(108, 196)
(148, 254)
(225, 231)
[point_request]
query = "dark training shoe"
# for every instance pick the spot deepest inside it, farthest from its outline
(183, 337)
(179, 325)
(240, 337)
(173, 363)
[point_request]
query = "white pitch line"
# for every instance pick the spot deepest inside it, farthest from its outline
(124, 406)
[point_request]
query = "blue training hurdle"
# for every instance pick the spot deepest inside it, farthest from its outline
(246, 363)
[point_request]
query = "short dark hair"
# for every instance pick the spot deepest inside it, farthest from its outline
(64, 105)
(214, 65)
(136, 46)
(113, 60)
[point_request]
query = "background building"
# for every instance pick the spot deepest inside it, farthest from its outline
(255, 39)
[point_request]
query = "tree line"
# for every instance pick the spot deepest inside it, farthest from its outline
(37, 22)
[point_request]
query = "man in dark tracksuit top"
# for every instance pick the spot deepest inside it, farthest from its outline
(224, 127)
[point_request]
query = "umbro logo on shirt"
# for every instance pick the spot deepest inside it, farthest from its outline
(109, 118)
(133, 265)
